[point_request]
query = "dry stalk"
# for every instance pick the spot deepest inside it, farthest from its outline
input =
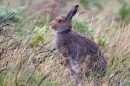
(2, 69)
(27, 82)
(16, 80)
(126, 83)
(117, 72)
(44, 77)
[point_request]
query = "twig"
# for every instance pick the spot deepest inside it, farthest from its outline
(27, 82)
(44, 77)
(43, 45)
(7, 6)
(105, 30)
(1, 29)
(126, 83)
(80, 14)
(2, 69)
(8, 18)
(37, 52)
(16, 80)
(117, 72)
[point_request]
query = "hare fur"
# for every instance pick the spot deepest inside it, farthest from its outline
(81, 53)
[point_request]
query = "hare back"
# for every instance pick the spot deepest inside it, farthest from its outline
(74, 43)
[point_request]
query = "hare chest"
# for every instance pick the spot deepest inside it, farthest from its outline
(71, 49)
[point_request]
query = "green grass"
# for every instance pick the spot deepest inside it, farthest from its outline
(21, 53)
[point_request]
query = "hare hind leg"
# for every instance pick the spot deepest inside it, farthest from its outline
(98, 82)
(98, 74)
(76, 75)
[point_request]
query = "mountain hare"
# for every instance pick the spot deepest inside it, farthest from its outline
(81, 53)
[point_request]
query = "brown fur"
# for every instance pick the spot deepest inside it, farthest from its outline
(82, 53)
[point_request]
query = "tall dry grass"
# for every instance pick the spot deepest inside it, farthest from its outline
(22, 65)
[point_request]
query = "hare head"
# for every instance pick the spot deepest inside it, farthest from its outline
(64, 23)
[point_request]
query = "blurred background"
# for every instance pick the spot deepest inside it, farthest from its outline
(120, 9)
(27, 55)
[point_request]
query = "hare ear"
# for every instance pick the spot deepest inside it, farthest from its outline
(72, 12)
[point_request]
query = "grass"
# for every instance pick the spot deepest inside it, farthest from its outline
(20, 59)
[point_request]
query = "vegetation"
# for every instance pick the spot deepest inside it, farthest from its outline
(28, 57)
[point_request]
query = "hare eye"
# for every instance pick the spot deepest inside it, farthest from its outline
(60, 20)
